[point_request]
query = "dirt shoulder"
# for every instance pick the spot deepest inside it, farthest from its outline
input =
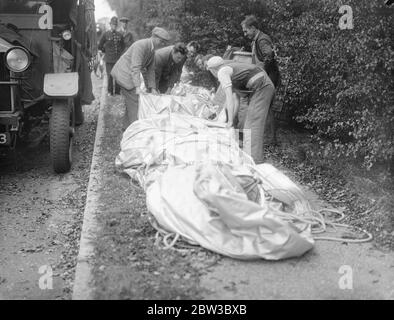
(128, 264)
(365, 196)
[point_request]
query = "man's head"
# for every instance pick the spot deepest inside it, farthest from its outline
(179, 52)
(250, 26)
(124, 22)
(202, 63)
(213, 65)
(160, 37)
(113, 23)
(198, 60)
(192, 48)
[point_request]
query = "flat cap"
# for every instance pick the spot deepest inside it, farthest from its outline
(161, 33)
(124, 19)
(214, 62)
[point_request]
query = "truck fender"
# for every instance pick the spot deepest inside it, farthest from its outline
(61, 84)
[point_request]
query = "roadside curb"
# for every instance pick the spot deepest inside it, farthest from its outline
(83, 275)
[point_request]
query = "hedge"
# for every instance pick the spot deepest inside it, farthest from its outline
(336, 83)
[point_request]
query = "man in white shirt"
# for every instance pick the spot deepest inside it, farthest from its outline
(243, 78)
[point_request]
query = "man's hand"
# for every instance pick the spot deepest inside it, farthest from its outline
(139, 91)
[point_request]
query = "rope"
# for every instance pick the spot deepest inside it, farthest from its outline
(319, 224)
(316, 220)
(162, 237)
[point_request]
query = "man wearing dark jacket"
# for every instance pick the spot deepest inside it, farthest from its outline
(127, 35)
(263, 55)
(169, 62)
(112, 44)
(138, 59)
(262, 48)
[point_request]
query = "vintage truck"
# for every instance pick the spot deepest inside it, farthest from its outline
(45, 51)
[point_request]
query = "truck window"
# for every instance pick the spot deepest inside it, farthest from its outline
(20, 6)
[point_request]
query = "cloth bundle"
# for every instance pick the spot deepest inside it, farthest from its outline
(195, 104)
(201, 186)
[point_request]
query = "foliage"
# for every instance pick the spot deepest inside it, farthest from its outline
(337, 83)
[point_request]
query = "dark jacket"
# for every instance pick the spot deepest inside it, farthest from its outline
(139, 58)
(167, 71)
(112, 44)
(128, 39)
(264, 55)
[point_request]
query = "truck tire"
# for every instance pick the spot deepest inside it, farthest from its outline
(79, 116)
(60, 138)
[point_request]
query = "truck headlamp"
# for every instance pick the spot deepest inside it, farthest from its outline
(66, 35)
(17, 59)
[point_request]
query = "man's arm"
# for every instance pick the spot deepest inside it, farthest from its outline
(137, 59)
(150, 79)
(176, 74)
(158, 69)
(237, 103)
(230, 106)
(224, 77)
(265, 51)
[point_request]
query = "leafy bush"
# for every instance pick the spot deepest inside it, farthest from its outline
(337, 83)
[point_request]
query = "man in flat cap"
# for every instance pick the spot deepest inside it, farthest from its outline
(239, 78)
(168, 66)
(139, 58)
(112, 44)
(127, 35)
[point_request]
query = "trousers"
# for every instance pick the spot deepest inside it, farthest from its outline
(253, 119)
(131, 100)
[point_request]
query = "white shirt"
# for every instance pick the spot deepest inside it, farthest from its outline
(224, 76)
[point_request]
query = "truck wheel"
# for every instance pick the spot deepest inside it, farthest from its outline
(60, 137)
(79, 116)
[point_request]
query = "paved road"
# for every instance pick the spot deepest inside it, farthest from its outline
(360, 270)
(41, 216)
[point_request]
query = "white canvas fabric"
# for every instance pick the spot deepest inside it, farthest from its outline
(200, 185)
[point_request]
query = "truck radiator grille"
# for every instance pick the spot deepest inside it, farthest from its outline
(5, 89)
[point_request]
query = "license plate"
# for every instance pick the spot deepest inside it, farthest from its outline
(5, 139)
